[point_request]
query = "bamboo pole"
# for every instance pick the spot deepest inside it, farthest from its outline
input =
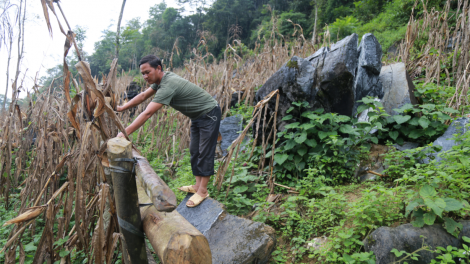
(127, 203)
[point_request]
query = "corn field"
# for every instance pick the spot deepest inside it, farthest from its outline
(55, 149)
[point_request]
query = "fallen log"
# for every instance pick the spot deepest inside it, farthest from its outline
(172, 237)
(160, 194)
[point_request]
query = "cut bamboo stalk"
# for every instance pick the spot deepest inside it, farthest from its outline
(127, 201)
(160, 194)
(172, 237)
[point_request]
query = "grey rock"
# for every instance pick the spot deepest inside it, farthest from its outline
(397, 86)
(332, 79)
(234, 100)
(406, 146)
(132, 90)
(229, 128)
(204, 215)
(458, 126)
(294, 80)
(231, 239)
(334, 86)
(367, 82)
(408, 238)
(370, 54)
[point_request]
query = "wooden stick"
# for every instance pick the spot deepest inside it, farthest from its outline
(378, 174)
(287, 187)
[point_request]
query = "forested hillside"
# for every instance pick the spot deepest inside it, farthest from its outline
(173, 34)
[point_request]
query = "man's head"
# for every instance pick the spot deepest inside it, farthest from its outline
(151, 69)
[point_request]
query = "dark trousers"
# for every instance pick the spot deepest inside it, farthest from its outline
(204, 133)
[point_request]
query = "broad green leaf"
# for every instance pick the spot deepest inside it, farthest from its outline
(280, 158)
(322, 134)
(347, 129)
(290, 109)
(341, 118)
(64, 253)
(287, 117)
(429, 218)
(393, 134)
(418, 222)
(293, 125)
(414, 121)
(430, 132)
(413, 205)
(436, 205)
(307, 126)
(290, 144)
(404, 108)
(424, 122)
(451, 110)
(401, 119)
(240, 189)
(300, 138)
(416, 133)
(428, 106)
(374, 140)
(452, 227)
(427, 191)
(30, 247)
(361, 108)
(302, 150)
(311, 142)
(452, 204)
(397, 253)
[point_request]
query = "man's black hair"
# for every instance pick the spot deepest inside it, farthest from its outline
(152, 60)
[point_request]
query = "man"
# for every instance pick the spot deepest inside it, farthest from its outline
(195, 103)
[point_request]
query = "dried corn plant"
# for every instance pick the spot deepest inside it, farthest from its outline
(446, 49)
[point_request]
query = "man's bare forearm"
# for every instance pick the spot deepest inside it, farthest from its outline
(134, 102)
(138, 122)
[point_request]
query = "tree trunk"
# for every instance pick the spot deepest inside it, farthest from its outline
(125, 195)
(172, 237)
(160, 194)
(119, 29)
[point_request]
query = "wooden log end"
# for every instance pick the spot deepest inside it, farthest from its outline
(118, 145)
(185, 248)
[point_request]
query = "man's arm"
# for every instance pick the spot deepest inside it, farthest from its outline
(137, 100)
(151, 109)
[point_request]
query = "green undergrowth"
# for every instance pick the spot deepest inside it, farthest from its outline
(317, 155)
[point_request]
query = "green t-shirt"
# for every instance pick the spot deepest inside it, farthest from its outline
(184, 96)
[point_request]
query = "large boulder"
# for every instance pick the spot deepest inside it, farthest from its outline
(409, 238)
(397, 86)
(232, 239)
(132, 90)
(229, 130)
(324, 79)
(458, 126)
(367, 82)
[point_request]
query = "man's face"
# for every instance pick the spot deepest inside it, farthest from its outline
(150, 74)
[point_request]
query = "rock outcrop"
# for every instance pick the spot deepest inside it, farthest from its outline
(397, 86)
(332, 79)
(229, 128)
(458, 126)
(409, 238)
(232, 239)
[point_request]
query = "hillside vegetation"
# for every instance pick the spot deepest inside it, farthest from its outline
(51, 145)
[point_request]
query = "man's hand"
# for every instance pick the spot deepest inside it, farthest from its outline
(119, 108)
(120, 135)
